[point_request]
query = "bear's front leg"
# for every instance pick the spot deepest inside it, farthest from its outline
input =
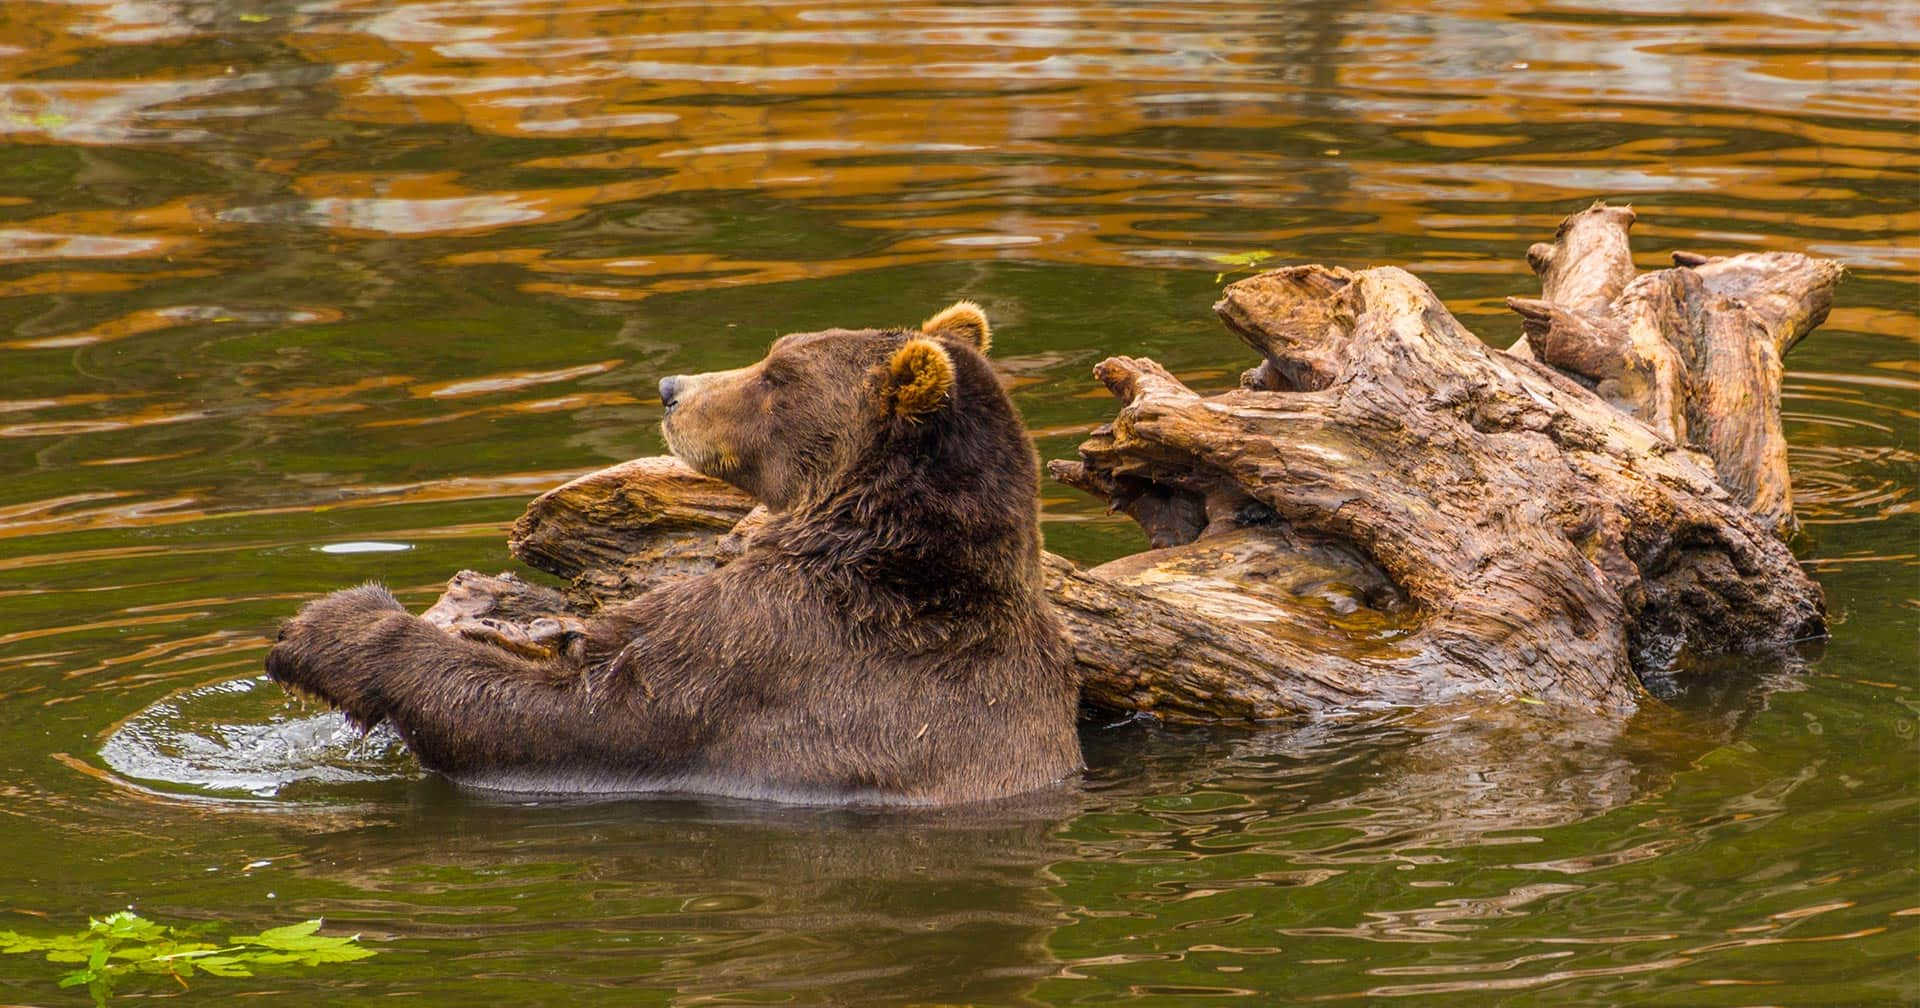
(475, 699)
(335, 649)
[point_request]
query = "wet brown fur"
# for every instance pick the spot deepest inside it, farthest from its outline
(883, 639)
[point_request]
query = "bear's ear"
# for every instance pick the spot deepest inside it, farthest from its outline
(964, 322)
(918, 380)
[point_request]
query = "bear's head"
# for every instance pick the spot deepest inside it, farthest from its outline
(828, 408)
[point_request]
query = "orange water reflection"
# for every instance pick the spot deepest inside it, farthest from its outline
(585, 153)
(992, 131)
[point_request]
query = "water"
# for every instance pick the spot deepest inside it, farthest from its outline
(294, 295)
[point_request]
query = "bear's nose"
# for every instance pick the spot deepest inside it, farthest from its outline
(670, 392)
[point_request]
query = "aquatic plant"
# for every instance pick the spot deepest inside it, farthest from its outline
(112, 948)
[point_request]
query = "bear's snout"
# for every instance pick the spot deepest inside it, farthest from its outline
(670, 391)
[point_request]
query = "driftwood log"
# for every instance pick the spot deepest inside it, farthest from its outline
(1387, 511)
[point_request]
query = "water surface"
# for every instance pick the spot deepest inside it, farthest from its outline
(295, 295)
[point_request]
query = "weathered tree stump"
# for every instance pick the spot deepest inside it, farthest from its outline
(1692, 352)
(1387, 511)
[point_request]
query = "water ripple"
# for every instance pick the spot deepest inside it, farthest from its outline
(235, 737)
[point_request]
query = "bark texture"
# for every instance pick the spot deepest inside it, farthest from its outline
(1693, 352)
(620, 530)
(1386, 512)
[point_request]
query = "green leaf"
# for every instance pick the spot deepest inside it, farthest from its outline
(121, 944)
(289, 937)
(14, 941)
(299, 944)
(344, 952)
(218, 965)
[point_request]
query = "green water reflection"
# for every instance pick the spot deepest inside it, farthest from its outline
(275, 276)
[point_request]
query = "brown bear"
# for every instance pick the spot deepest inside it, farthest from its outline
(884, 638)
